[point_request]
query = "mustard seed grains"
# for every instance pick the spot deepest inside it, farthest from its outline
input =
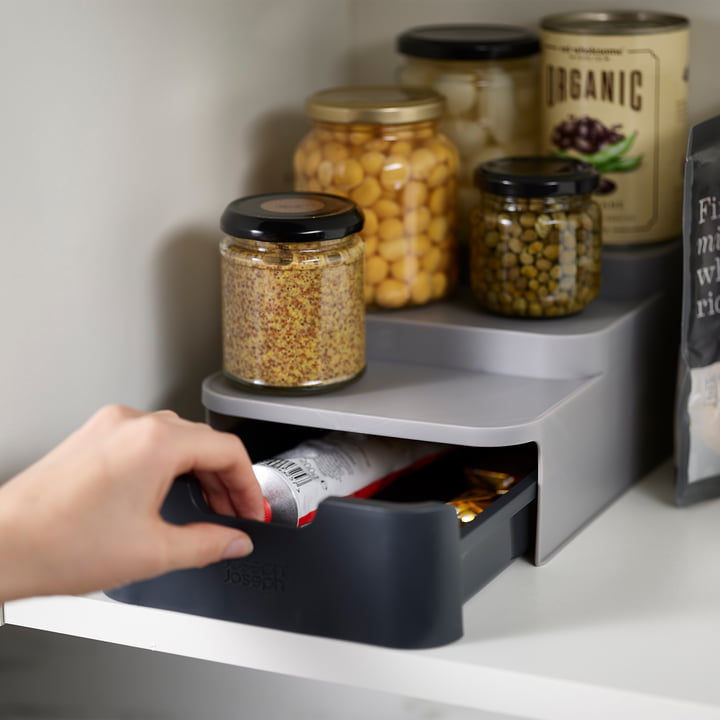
(380, 146)
(535, 247)
(292, 292)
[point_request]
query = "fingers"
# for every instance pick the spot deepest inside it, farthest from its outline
(170, 445)
(216, 494)
(200, 544)
(223, 467)
(232, 495)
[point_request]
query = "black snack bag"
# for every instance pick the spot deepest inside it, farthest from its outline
(697, 426)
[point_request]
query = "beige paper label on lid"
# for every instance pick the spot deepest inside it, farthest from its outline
(295, 206)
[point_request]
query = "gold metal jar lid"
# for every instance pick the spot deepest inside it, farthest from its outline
(384, 104)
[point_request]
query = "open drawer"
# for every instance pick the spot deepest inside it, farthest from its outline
(393, 570)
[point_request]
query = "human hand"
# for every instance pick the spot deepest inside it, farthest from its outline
(87, 515)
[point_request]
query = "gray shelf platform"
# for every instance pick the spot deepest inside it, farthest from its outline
(421, 402)
(457, 334)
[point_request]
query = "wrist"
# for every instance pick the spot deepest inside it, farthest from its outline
(19, 571)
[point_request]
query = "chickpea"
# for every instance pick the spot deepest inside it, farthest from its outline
(395, 173)
(405, 268)
(422, 163)
(312, 161)
(415, 194)
(391, 229)
(371, 223)
(334, 151)
(359, 137)
(325, 172)
(392, 250)
(376, 269)
(419, 245)
(392, 293)
(438, 176)
(371, 162)
(421, 288)
(417, 221)
(378, 145)
(438, 228)
(401, 148)
(367, 193)
(348, 174)
(438, 284)
(431, 260)
(438, 202)
(385, 208)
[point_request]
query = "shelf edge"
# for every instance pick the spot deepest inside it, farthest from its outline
(420, 674)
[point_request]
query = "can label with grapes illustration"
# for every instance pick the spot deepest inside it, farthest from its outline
(614, 94)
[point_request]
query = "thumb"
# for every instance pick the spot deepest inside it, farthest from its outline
(198, 544)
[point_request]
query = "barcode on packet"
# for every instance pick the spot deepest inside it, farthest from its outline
(297, 475)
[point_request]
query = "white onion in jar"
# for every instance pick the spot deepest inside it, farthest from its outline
(496, 105)
(468, 135)
(459, 92)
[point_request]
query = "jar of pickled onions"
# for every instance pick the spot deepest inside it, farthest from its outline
(489, 76)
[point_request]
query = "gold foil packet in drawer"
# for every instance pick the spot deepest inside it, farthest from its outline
(484, 487)
(499, 482)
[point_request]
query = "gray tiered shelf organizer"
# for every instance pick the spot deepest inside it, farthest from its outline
(591, 396)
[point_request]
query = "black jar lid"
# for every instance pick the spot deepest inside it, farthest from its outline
(468, 42)
(292, 217)
(536, 177)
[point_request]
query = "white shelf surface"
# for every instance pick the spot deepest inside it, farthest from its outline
(620, 624)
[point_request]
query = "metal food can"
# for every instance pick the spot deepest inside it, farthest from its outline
(614, 94)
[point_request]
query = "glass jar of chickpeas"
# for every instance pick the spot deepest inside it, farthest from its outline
(536, 237)
(380, 146)
(489, 76)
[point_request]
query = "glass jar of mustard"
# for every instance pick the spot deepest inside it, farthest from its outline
(489, 76)
(381, 147)
(293, 312)
(535, 243)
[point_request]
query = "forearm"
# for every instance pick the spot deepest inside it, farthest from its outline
(21, 558)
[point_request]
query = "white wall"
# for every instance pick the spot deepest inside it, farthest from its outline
(126, 127)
